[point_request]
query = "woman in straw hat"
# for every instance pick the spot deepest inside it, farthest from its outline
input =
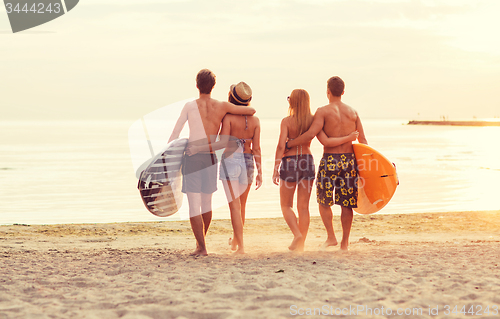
(296, 169)
(237, 164)
(240, 136)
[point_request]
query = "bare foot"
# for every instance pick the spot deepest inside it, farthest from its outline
(233, 244)
(296, 243)
(240, 251)
(343, 245)
(329, 242)
(199, 252)
(300, 247)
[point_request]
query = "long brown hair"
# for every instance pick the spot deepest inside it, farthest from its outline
(300, 110)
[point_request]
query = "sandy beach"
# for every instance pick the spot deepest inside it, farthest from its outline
(419, 264)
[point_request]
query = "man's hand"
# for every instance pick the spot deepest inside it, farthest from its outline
(191, 150)
(287, 148)
(353, 136)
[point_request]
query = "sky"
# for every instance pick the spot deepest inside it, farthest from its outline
(122, 59)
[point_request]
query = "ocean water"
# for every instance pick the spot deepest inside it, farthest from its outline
(81, 171)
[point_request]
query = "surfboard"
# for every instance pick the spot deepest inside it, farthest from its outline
(160, 180)
(377, 180)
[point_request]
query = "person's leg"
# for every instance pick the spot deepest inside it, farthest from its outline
(206, 210)
(324, 193)
(206, 180)
(303, 195)
(194, 201)
(246, 180)
(244, 190)
(287, 190)
(346, 219)
(243, 199)
(235, 171)
(349, 191)
(245, 183)
(234, 208)
(327, 217)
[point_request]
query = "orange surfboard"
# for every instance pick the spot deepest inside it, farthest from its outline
(377, 179)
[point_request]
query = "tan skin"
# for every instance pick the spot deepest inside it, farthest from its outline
(233, 126)
(300, 226)
(237, 193)
(207, 113)
(335, 119)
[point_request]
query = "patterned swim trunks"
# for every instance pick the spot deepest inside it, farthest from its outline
(337, 175)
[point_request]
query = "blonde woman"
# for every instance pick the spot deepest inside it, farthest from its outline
(296, 169)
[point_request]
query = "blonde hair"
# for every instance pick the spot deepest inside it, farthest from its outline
(300, 110)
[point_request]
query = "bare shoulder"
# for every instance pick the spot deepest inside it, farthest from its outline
(348, 107)
(350, 110)
(210, 103)
(321, 111)
(254, 120)
(285, 122)
(191, 105)
(219, 108)
(224, 105)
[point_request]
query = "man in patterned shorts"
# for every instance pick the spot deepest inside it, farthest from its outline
(338, 173)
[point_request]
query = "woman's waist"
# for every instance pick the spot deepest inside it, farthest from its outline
(298, 157)
(304, 161)
(298, 150)
(237, 155)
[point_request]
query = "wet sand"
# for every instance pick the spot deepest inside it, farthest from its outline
(407, 262)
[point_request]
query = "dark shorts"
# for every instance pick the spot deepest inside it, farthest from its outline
(297, 167)
(237, 167)
(337, 178)
(199, 173)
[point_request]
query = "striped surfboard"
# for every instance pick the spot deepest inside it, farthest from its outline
(160, 183)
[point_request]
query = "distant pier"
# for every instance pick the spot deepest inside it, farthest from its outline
(456, 123)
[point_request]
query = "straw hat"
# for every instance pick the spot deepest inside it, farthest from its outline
(241, 92)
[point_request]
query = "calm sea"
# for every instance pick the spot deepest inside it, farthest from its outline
(82, 172)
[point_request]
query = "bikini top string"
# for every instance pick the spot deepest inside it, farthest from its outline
(243, 140)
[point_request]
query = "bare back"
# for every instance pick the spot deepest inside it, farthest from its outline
(293, 132)
(207, 114)
(204, 117)
(242, 127)
(339, 120)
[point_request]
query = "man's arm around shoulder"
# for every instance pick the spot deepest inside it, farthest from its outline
(314, 129)
(237, 109)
